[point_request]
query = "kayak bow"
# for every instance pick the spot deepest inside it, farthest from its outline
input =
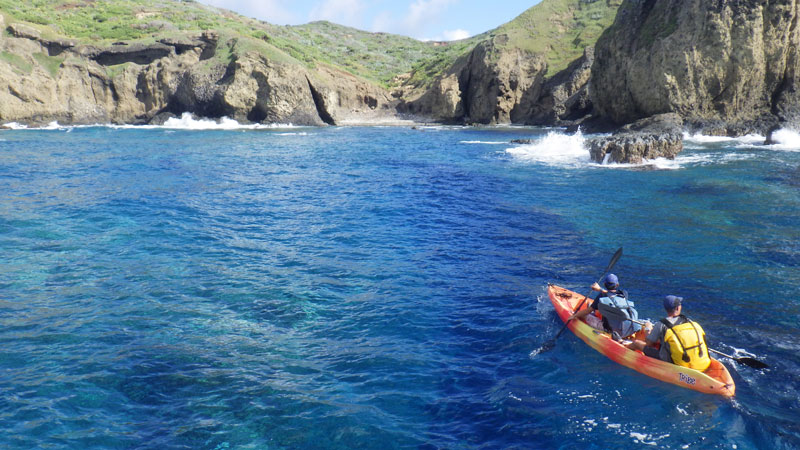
(714, 380)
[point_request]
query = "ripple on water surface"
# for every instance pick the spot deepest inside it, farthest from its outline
(377, 287)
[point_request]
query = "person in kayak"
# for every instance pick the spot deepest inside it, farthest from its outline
(611, 299)
(676, 338)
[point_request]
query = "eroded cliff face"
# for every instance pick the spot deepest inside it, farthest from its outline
(495, 84)
(725, 62)
(45, 80)
(486, 86)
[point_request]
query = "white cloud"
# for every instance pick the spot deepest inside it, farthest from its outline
(420, 15)
(456, 35)
(384, 22)
(343, 12)
(451, 35)
(271, 11)
(424, 12)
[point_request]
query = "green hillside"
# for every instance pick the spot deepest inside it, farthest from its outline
(379, 57)
(559, 29)
(376, 56)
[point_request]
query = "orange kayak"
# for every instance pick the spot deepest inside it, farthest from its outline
(714, 380)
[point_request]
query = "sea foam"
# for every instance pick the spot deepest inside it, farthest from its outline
(701, 139)
(15, 126)
(187, 121)
(785, 139)
(554, 149)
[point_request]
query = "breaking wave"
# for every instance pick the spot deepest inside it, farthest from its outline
(571, 150)
(783, 140)
(701, 140)
(554, 149)
(485, 142)
(787, 140)
(187, 121)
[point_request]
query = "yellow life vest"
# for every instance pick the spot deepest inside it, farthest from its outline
(687, 344)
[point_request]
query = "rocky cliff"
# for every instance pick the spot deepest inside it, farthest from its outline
(534, 70)
(500, 86)
(46, 80)
(727, 66)
(140, 61)
(486, 86)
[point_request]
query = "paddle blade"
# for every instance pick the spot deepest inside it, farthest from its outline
(613, 261)
(752, 362)
(547, 346)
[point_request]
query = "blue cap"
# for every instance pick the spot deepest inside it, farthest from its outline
(671, 302)
(611, 281)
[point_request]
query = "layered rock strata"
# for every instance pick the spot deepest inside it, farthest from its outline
(494, 84)
(45, 80)
(725, 67)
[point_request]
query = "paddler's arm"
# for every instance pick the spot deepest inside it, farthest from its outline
(581, 314)
(586, 311)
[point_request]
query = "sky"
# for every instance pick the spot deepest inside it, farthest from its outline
(439, 20)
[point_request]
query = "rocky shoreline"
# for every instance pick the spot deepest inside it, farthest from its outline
(654, 74)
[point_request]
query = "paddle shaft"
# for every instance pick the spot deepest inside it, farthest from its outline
(752, 362)
(747, 361)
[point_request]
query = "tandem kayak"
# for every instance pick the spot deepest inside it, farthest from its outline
(714, 380)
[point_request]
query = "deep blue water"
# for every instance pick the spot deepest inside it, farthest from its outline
(379, 288)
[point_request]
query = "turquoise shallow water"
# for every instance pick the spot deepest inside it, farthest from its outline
(379, 288)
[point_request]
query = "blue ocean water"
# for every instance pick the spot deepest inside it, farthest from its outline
(380, 288)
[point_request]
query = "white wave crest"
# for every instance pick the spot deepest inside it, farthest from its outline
(554, 149)
(15, 126)
(50, 126)
(785, 139)
(701, 139)
(187, 121)
(485, 142)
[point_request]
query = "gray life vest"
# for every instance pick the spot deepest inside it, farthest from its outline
(617, 312)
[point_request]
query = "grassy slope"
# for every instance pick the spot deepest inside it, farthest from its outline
(378, 57)
(559, 29)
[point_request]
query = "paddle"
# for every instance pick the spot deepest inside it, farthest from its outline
(752, 362)
(547, 346)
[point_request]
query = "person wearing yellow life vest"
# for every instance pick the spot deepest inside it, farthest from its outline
(682, 341)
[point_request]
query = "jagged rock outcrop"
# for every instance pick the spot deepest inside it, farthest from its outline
(487, 86)
(343, 98)
(660, 136)
(497, 79)
(718, 63)
(564, 99)
(44, 80)
(498, 85)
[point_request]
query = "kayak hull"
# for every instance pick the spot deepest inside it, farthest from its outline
(714, 380)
